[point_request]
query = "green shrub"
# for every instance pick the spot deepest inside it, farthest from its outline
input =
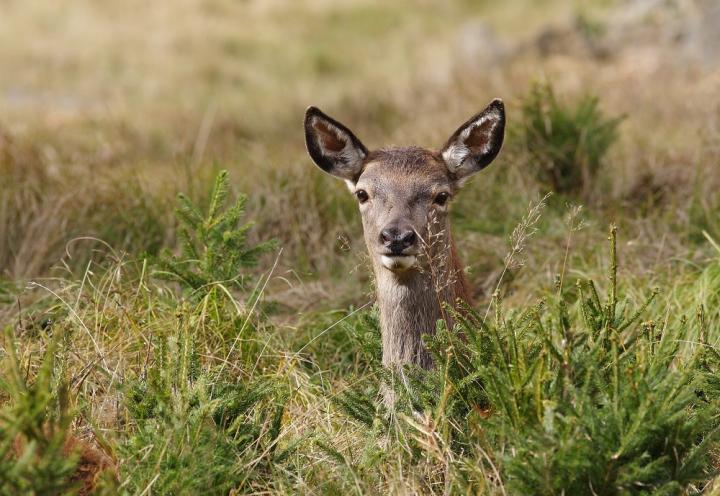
(193, 432)
(214, 249)
(195, 427)
(574, 395)
(567, 144)
(37, 417)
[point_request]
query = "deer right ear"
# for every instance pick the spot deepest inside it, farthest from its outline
(477, 142)
(332, 146)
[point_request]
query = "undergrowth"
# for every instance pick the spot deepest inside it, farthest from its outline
(213, 247)
(192, 386)
(34, 426)
(568, 144)
(577, 395)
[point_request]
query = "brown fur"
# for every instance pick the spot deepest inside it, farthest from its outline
(412, 302)
(406, 224)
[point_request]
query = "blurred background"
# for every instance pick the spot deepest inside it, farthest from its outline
(109, 109)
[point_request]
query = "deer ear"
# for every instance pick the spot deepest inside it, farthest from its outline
(477, 142)
(332, 146)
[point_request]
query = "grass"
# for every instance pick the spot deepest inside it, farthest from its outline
(569, 391)
(253, 369)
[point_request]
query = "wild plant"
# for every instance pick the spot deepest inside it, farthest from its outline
(576, 394)
(214, 251)
(567, 144)
(183, 409)
(34, 426)
(181, 413)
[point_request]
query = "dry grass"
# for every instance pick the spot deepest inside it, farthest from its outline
(118, 92)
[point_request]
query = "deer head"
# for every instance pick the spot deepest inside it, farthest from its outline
(404, 193)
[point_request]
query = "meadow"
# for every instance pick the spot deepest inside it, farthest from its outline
(186, 302)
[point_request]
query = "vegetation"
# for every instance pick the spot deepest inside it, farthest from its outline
(213, 251)
(230, 345)
(568, 145)
(34, 429)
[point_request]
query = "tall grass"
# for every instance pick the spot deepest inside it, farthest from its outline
(186, 391)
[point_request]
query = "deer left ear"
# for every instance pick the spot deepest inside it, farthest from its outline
(477, 142)
(332, 146)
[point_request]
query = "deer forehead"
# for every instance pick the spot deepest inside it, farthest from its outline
(404, 171)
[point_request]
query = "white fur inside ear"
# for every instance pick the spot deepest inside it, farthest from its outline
(398, 263)
(455, 155)
(350, 156)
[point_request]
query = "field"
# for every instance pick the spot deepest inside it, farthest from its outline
(186, 301)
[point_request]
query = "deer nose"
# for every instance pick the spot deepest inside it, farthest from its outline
(397, 240)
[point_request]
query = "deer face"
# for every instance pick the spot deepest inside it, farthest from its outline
(404, 193)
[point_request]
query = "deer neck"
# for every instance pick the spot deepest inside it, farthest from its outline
(412, 302)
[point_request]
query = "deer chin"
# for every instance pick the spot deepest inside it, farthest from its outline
(398, 263)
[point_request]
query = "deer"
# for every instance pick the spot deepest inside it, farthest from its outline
(404, 195)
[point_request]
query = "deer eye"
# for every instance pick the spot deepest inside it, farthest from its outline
(441, 198)
(362, 195)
